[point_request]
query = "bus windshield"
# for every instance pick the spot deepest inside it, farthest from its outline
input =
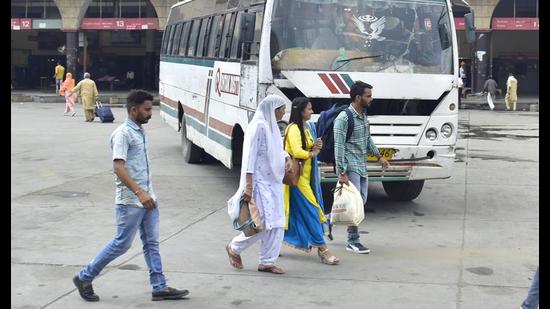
(403, 36)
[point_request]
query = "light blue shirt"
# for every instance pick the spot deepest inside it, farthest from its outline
(129, 143)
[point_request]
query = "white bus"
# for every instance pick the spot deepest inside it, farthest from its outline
(219, 58)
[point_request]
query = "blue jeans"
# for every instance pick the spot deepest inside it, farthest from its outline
(532, 300)
(128, 220)
(361, 184)
(58, 83)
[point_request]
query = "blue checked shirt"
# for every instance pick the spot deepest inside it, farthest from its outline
(351, 156)
(129, 143)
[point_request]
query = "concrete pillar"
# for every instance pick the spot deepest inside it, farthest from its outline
(72, 52)
(150, 59)
(481, 60)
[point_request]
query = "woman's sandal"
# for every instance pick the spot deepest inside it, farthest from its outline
(234, 258)
(271, 269)
(327, 257)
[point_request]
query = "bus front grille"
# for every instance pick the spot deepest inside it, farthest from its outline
(397, 130)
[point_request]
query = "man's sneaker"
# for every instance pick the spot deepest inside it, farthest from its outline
(357, 248)
(169, 293)
(85, 289)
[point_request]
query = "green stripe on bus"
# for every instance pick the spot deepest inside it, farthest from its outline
(220, 139)
(213, 135)
(195, 124)
(192, 61)
(347, 79)
(166, 108)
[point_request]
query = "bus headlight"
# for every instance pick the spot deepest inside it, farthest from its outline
(431, 134)
(446, 130)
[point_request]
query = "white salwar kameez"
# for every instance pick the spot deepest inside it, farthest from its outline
(264, 157)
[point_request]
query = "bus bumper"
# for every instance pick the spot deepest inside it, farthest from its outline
(408, 163)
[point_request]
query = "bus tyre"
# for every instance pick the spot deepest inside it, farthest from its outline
(403, 190)
(191, 152)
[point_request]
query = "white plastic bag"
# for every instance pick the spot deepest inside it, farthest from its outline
(347, 208)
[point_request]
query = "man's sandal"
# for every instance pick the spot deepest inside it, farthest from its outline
(234, 258)
(271, 269)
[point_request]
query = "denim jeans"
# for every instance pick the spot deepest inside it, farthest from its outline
(58, 83)
(361, 184)
(128, 220)
(532, 300)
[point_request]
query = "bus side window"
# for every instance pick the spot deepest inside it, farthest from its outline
(165, 37)
(226, 35)
(203, 36)
(245, 38)
(230, 33)
(215, 36)
(192, 46)
(184, 38)
(255, 47)
(237, 40)
(176, 40)
(170, 39)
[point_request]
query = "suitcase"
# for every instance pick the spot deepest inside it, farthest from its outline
(103, 112)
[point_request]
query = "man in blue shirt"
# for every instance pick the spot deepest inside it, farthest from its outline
(136, 205)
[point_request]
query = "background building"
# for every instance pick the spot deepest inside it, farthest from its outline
(109, 38)
(507, 41)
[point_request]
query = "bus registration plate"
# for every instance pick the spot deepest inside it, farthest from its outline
(387, 153)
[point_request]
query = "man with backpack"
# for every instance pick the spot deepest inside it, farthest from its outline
(352, 149)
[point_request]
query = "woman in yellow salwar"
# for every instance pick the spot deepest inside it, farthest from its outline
(304, 202)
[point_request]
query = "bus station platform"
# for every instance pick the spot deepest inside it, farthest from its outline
(109, 98)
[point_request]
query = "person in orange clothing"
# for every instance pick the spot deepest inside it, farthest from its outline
(70, 99)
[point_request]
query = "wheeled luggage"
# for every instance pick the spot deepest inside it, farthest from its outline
(103, 112)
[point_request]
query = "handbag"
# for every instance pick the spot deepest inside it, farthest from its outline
(248, 221)
(292, 176)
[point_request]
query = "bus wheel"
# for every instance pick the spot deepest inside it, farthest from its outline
(403, 190)
(191, 152)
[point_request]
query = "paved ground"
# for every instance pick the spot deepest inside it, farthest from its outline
(467, 242)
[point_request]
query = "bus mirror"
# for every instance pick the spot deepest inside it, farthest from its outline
(444, 36)
(248, 22)
(469, 27)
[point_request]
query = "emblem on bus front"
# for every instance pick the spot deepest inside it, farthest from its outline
(371, 26)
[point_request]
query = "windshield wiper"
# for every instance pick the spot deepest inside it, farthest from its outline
(345, 61)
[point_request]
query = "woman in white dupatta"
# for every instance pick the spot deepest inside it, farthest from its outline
(262, 172)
